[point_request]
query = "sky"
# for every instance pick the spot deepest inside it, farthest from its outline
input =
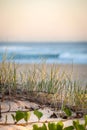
(43, 20)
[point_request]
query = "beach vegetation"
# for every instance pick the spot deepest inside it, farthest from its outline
(26, 116)
(50, 125)
(8, 76)
(46, 82)
(60, 126)
(38, 114)
(19, 115)
(67, 111)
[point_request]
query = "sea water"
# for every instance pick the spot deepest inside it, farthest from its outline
(49, 52)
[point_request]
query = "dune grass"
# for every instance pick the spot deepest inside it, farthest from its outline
(59, 84)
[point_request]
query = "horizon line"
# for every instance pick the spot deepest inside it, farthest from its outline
(41, 41)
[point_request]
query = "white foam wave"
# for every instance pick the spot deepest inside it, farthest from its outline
(73, 56)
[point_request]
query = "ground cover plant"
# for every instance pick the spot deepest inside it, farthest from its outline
(50, 126)
(76, 125)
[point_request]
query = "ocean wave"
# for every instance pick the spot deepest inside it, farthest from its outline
(36, 56)
(52, 53)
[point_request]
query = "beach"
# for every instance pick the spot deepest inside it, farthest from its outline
(43, 65)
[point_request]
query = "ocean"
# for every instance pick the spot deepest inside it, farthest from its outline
(50, 52)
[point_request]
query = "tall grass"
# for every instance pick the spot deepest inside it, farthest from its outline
(43, 78)
(60, 84)
(8, 76)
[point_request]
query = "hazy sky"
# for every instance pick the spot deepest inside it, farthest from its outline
(43, 20)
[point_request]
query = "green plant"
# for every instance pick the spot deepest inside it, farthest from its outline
(78, 126)
(38, 114)
(85, 118)
(60, 126)
(69, 128)
(43, 127)
(26, 116)
(67, 111)
(54, 126)
(18, 116)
